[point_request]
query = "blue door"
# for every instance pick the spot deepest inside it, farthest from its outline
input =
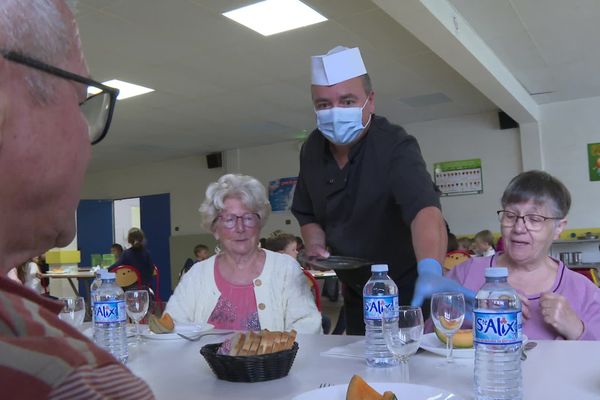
(94, 228)
(155, 215)
(94, 231)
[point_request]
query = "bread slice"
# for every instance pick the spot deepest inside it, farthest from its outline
(277, 341)
(246, 346)
(253, 350)
(266, 343)
(291, 339)
(236, 343)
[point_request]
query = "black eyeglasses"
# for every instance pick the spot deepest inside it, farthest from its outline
(533, 222)
(99, 106)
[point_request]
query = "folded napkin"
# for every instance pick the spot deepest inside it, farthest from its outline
(352, 350)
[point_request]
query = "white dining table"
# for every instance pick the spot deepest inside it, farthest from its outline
(174, 369)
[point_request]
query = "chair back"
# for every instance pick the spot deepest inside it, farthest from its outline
(127, 275)
(595, 276)
(314, 287)
(590, 273)
(453, 258)
(156, 274)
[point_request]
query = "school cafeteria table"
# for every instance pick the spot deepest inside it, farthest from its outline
(87, 275)
(174, 369)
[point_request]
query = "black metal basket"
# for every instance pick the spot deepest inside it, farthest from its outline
(260, 368)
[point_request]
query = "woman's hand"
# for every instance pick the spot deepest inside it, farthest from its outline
(559, 314)
(524, 305)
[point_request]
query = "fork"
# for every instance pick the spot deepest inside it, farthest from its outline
(201, 335)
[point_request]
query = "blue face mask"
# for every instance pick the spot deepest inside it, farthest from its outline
(341, 125)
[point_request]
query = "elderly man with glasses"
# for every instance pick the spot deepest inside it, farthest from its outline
(47, 123)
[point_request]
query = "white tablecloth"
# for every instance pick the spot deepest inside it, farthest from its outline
(176, 370)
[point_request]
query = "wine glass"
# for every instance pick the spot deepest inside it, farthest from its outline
(448, 313)
(402, 331)
(73, 311)
(137, 306)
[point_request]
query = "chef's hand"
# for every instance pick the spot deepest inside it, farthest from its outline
(559, 314)
(431, 280)
(314, 251)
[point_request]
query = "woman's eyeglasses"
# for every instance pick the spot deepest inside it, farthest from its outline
(229, 221)
(533, 222)
(99, 106)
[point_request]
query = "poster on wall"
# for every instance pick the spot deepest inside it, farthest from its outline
(594, 161)
(461, 177)
(281, 193)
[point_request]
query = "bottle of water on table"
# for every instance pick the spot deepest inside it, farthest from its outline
(379, 293)
(110, 317)
(93, 287)
(498, 338)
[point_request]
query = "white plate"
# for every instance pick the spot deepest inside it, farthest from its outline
(186, 329)
(401, 390)
(431, 343)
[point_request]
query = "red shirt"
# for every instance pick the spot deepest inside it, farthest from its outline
(44, 357)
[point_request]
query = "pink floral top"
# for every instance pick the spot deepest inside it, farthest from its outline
(236, 307)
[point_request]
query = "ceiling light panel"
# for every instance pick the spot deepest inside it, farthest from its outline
(275, 16)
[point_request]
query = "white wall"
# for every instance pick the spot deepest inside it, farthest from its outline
(473, 136)
(126, 214)
(267, 163)
(567, 128)
(185, 179)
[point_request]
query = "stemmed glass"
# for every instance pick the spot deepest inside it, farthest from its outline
(137, 306)
(448, 313)
(402, 331)
(73, 311)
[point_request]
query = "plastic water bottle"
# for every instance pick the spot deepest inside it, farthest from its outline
(93, 287)
(379, 293)
(110, 317)
(498, 337)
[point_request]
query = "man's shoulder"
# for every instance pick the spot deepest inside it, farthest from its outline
(387, 133)
(30, 327)
(313, 144)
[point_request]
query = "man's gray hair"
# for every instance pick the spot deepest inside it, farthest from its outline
(36, 28)
(245, 188)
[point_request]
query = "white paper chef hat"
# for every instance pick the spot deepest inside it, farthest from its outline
(339, 64)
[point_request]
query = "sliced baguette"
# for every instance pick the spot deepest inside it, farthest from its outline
(253, 350)
(266, 343)
(246, 346)
(236, 343)
(277, 341)
(291, 339)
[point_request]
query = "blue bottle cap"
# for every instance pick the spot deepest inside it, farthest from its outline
(496, 272)
(379, 268)
(104, 274)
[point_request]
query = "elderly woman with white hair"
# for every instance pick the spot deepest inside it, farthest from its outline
(243, 287)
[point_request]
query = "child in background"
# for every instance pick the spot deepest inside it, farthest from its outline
(484, 244)
(283, 243)
(465, 244)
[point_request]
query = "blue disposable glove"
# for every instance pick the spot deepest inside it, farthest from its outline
(431, 280)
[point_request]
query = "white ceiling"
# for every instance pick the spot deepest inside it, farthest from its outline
(221, 86)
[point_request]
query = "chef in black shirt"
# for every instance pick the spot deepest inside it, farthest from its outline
(364, 191)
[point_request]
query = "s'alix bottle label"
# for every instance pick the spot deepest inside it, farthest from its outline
(498, 327)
